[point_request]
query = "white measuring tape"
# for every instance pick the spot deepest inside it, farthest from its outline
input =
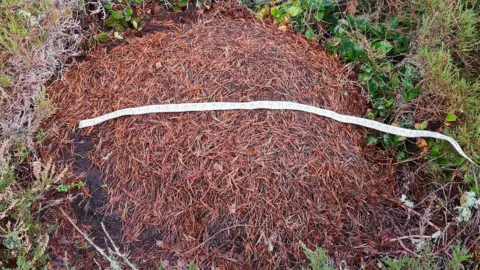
(272, 105)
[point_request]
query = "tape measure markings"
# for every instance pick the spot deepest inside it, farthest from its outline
(272, 105)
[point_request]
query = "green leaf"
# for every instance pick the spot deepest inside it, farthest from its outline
(372, 140)
(382, 47)
(276, 12)
(370, 115)
(339, 30)
(294, 11)
(388, 140)
(310, 34)
(451, 117)
(343, 22)
(389, 102)
(436, 151)
(139, 1)
(103, 37)
(117, 15)
(422, 125)
(117, 35)
(394, 23)
(401, 155)
(326, 3)
(62, 188)
(128, 12)
(107, 6)
(135, 24)
(319, 16)
(413, 93)
(372, 85)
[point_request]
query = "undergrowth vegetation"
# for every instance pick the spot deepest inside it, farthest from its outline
(37, 39)
(403, 60)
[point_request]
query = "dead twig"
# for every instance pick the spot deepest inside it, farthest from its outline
(113, 263)
(117, 250)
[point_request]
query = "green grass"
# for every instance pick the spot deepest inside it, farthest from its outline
(14, 26)
(449, 34)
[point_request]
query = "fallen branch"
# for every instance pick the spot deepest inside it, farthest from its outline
(117, 250)
(113, 263)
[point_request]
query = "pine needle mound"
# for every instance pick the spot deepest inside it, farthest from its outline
(234, 189)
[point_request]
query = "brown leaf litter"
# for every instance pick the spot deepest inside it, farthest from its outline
(235, 189)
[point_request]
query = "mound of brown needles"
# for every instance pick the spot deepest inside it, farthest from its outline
(236, 189)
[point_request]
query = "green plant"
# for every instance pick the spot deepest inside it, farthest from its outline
(304, 15)
(5, 81)
(68, 187)
(318, 259)
(422, 262)
(459, 256)
(426, 260)
(378, 47)
(25, 240)
(121, 15)
(449, 33)
(372, 46)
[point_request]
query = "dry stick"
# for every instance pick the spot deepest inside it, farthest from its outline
(53, 203)
(409, 237)
(113, 263)
(117, 250)
(407, 249)
(474, 243)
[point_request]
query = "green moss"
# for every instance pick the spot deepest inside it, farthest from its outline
(5, 81)
(117, 24)
(104, 37)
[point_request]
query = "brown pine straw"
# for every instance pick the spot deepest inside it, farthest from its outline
(236, 189)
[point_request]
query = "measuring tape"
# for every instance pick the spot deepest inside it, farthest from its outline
(272, 105)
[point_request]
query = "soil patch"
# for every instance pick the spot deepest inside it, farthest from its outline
(236, 189)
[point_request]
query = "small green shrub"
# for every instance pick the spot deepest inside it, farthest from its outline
(120, 18)
(5, 81)
(404, 263)
(318, 259)
(459, 256)
(68, 187)
(24, 239)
